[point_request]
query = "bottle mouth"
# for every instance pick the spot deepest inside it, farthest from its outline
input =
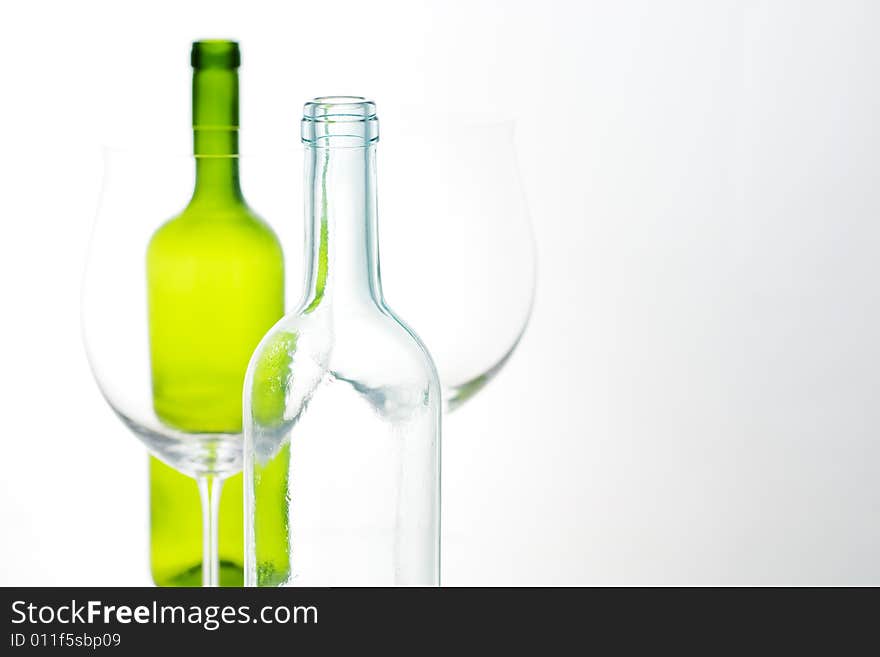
(340, 121)
(215, 53)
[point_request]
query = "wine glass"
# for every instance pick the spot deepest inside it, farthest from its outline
(143, 189)
(458, 255)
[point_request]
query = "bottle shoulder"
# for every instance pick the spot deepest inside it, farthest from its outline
(363, 326)
(370, 350)
(231, 228)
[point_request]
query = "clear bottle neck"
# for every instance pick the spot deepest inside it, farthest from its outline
(341, 223)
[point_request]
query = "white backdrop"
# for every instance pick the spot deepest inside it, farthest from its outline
(695, 399)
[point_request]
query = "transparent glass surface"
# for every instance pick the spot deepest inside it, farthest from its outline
(458, 255)
(342, 401)
(447, 188)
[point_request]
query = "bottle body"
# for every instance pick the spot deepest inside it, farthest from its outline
(356, 447)
(215, 285)
(342, 404)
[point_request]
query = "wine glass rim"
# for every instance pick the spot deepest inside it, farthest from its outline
(177, 152)
(404, 128)
(452, 120)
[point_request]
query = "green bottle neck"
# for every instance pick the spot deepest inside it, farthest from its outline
(217, 181)
(215, 136)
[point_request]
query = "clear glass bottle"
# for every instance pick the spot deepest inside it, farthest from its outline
(341, 399)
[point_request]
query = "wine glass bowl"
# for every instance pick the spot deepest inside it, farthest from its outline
(141, 192)
(458, 256)
(458, 264)
(179, 287)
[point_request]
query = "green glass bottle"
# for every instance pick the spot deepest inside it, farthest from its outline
(215, 277)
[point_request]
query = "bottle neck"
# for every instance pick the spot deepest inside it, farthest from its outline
(342, 242)
(215, 136)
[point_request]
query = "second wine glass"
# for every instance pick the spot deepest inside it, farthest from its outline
(458, 255)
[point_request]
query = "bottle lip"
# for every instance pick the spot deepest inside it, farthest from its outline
(215, 53)
(340, 122)
(336, 109)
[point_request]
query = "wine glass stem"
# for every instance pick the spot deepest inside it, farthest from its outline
(209, 490)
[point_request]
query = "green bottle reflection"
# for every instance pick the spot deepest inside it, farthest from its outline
(215, 276)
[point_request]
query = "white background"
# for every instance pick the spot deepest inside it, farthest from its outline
(695, 400)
